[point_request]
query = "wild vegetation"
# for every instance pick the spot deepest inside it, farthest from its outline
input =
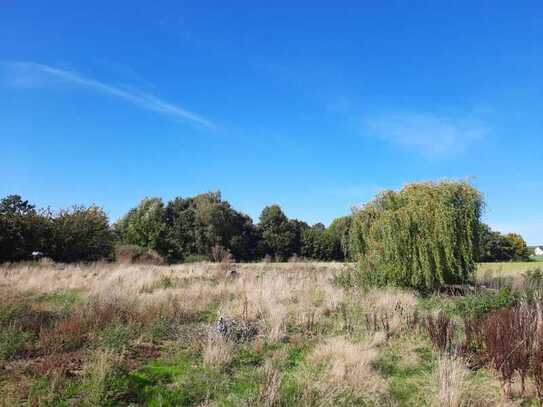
(183, 230)
(275, 334)
(423, 236)
(199, 227)
(414, 321)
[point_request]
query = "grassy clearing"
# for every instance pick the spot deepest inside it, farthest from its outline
(508, 267)
(108, 335)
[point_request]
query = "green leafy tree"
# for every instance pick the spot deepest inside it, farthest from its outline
(81, 234)
(340, 228)
(521, 251)
(298, 227)
(197, 224)
(23, 229)
(318, 243)
(145, 226)
(278, 234)
(496, 247)
(423, 236)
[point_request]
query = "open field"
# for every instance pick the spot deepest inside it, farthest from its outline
(509, 267)
(270, 334)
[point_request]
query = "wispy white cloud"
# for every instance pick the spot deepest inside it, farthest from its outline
(430, 135)
(29, 74)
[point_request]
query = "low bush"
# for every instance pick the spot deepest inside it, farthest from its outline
(440, 330)
(476, 305)
(105, 379)
(506, 338)
(67, 335)
(12, 342)
(132, 254)
(116, 337)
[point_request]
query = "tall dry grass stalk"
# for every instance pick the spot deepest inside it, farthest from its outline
(98, 374)
(347, 370)
(268, 394)
(451, 376)
(218, 351)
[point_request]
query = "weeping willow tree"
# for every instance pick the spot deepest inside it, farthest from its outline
(423, 236)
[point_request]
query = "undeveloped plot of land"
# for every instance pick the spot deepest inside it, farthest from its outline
(222, 334)
(499, 274)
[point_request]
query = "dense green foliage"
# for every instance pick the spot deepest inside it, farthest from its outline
(22, 229)
(321, 244)
(188, 227)
(278, 234)
(340, 229)
(144, 226)
(193, 228)
(75, 234)
(497, 247)
(423, 236)
(80, 234)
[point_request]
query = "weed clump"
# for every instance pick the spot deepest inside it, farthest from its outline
(132, 254)
(12, 342)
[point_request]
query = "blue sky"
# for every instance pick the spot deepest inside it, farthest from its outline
(316, 106)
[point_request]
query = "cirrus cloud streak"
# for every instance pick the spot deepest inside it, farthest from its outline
(30, 74)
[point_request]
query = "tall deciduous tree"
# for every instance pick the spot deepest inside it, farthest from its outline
(145, 226)
(278, 234)
(21, 229)
(340, 228)
(423, 236)
(81, 234)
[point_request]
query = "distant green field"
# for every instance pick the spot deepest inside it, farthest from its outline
(537, 258)
(509, 266)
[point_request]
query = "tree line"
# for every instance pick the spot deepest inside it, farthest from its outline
(205, 225)
(182, 229)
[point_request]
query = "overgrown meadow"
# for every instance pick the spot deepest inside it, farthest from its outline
(270, 334)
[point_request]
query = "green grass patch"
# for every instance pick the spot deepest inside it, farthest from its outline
(12, 342)
(63, 300)
(407, 364)
(185, 381)
(473, 305)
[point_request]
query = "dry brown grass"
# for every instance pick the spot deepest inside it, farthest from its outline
(452, 376)
(269, 389)
(345, 370)
(218, 351)
(274, 294)
(287, 302)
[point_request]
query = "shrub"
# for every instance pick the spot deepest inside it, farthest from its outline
(221, 255)
(23, 229)
(506, 338)
(278, 234)
(440, 331)
(476, 305)
(452, 380)
(424, 236)
(497, 247)
(320, 244)
(105, 379)
(81, 234)
(116, 337)
(218, 351)
(132, 254)
(12, 342)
